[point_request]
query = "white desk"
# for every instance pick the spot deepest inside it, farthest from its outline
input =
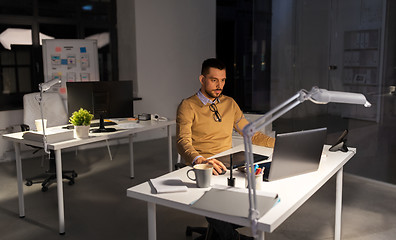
(93, 137)
(293, 192)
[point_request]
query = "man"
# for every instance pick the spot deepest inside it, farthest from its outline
(204, 126)
(205, 120)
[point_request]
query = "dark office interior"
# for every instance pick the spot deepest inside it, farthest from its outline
(272, 49)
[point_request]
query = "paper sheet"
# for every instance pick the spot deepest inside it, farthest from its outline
(234, 201)
(129, 125)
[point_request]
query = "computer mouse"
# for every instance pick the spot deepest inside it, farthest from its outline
(223, 171)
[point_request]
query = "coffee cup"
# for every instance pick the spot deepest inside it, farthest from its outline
(39, 124)
(203, 174)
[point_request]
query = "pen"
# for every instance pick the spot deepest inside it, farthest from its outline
(258, 171)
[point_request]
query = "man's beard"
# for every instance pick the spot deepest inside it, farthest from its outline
(212, 95)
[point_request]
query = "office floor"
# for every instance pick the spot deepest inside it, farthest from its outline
(96, 207)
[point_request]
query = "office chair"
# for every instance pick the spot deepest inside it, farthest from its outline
(55, 112)
(206, 233)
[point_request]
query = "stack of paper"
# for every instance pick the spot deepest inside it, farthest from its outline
(167, 185)
(128, 125)
(53, 135)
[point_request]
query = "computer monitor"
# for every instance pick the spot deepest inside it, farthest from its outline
(112, 99)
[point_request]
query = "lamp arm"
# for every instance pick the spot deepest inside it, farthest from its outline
(263, 121)
(42, 122)
(43, 87)
(248, 131)
(253, 212)
(315, 95)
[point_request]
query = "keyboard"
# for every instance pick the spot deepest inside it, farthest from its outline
(92, 125)
(105, 124)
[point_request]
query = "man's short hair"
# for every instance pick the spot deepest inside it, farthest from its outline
(211, 63)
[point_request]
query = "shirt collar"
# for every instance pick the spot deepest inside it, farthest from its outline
(204, 99)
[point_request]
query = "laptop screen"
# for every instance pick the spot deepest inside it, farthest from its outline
(297, 153)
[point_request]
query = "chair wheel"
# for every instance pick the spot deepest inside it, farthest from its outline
(44, 189)
(71, 182)
(29, 183)
(74, 175)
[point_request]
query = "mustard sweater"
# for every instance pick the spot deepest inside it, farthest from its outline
(198, 133)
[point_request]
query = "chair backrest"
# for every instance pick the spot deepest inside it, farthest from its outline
(54, 109)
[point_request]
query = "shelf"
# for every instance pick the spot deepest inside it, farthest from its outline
(361, 84)
(360, 49)
(360, 66)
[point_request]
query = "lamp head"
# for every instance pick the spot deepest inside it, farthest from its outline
(323, 96)
(47, 85)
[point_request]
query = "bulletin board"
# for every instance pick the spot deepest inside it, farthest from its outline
(70, 60)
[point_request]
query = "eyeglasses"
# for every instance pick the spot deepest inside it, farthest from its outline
(216, 115)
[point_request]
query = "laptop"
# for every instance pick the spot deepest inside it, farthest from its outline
(296, 153)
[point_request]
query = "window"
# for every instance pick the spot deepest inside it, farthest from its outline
(21, 66)
(243, 42)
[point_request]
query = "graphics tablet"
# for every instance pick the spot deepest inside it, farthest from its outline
(238, 159)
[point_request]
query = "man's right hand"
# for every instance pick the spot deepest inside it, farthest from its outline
(218, 166)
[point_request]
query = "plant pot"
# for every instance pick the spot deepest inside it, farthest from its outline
(81, 131)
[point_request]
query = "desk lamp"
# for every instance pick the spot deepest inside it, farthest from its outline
(43, 87)
(316, 95)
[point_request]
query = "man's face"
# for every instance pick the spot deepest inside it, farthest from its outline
(212, 83)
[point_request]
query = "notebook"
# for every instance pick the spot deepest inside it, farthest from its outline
(296, 153)
(234, 201)
(168, 185)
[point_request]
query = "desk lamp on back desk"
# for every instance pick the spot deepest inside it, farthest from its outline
(43, 87)
(55, 114)
(315, 95)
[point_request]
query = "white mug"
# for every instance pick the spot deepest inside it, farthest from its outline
(203, 174)
(39, 124)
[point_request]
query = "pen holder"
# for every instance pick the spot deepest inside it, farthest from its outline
(258, 178)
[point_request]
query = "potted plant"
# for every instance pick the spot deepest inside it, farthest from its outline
(81, 120)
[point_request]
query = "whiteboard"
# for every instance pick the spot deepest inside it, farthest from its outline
(70, 60)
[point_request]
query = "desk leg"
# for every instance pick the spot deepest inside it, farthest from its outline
(108, 149)
(170, 148)
(152, 221)
(337, 234)
(132, 171)
(59, 186)
(261, 235)
(21, 201)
